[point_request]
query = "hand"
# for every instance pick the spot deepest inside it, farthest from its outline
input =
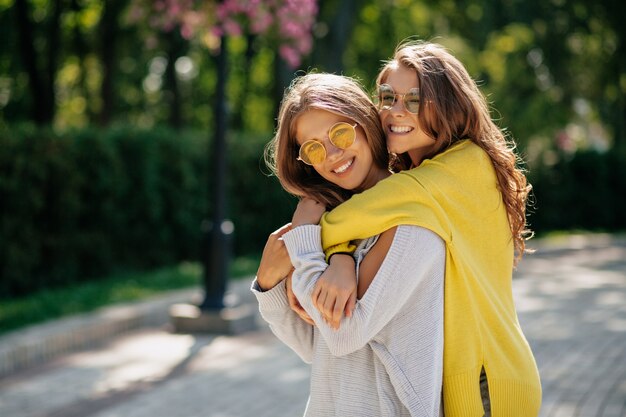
(275, 264)
(335, 291)
(308, 211)
(294, 303)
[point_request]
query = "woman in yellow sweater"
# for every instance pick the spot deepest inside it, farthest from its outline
(462, 183)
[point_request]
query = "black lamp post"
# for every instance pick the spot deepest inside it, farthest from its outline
(218, 232)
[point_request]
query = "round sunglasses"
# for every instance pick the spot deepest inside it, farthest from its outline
(387, 98)
(342, 135)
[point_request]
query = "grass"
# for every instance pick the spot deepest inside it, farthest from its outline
(80, 298)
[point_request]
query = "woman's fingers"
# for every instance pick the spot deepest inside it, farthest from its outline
(337, 310)
(350, 304)
(278, 233)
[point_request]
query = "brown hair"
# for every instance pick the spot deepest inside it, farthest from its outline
(334, 93)
(457, 110)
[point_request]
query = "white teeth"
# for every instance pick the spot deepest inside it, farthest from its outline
(343, 168)
(400, 129)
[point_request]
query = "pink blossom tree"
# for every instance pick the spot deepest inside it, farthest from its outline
(286, 23)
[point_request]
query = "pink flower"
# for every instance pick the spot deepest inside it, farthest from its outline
(290, 55)
(231, 27)
(217, 31)
(287, 22)
(261, 24)
(304, 44)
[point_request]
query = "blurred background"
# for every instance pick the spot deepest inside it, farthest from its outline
(108, 124)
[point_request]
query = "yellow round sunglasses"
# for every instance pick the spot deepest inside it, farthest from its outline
(342, 135)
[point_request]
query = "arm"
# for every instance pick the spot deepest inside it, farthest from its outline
(369, 266)
(294, 303)
(269, 287)
(416, 255)
(335, 291)
(422, 196)
(409, 197)
(283, 321)
(275, 264)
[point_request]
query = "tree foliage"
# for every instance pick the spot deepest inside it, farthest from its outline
(550, 68)
(85, 70)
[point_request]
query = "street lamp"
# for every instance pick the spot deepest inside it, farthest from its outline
(218, 236)
(213, 315)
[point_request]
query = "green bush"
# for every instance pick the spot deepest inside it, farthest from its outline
(79, 205)
(586, 190)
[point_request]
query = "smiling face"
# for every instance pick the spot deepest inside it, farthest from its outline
(402, 127)
(352, 168)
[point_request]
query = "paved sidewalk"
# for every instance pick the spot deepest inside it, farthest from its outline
(571, 299)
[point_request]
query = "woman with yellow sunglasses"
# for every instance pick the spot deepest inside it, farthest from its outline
(386, 358)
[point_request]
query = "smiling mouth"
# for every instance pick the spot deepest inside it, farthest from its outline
(400, 129)
(344, 167)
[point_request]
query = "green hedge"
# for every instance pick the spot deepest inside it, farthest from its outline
(79, 205)
(586, 190)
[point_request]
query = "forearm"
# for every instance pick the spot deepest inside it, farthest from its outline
(415, 256)
(309, 265)
(283, 321)
(400, 199)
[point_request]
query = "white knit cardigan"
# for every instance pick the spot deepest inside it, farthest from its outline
(385, 360)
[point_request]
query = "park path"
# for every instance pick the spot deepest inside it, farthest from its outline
(571, 300)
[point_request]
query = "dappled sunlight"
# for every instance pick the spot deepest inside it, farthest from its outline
(145, 358)
(59, 387)
(573, 312)
(589, 286)
(218, 355)
(611, 299)
(230, 377)
(617, 325)
(292, 375)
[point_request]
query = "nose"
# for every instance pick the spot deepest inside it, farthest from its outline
(332, 152)
(398, 108)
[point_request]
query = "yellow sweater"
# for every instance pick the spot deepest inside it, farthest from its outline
(455, 195)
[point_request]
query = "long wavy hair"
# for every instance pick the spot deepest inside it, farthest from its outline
(457, 110)
(337, 94)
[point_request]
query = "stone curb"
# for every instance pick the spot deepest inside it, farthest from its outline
(42, 342)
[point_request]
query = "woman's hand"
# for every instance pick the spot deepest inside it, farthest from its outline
(308, 211)
(275, 264)
(335, 291)
(294, 303)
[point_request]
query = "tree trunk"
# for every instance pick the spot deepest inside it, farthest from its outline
(240, 108)
(282, 77)
(172, 88)
(80, 48)
(40, 113)
(328, 51)
(54, 50)
(108, 33)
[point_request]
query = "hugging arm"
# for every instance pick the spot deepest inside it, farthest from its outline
(337, 290)
(270, 289)
(415, 256)
(408, 197)
(283, 321)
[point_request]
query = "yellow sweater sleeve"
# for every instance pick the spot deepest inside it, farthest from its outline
(402, 198)
(421, 197)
